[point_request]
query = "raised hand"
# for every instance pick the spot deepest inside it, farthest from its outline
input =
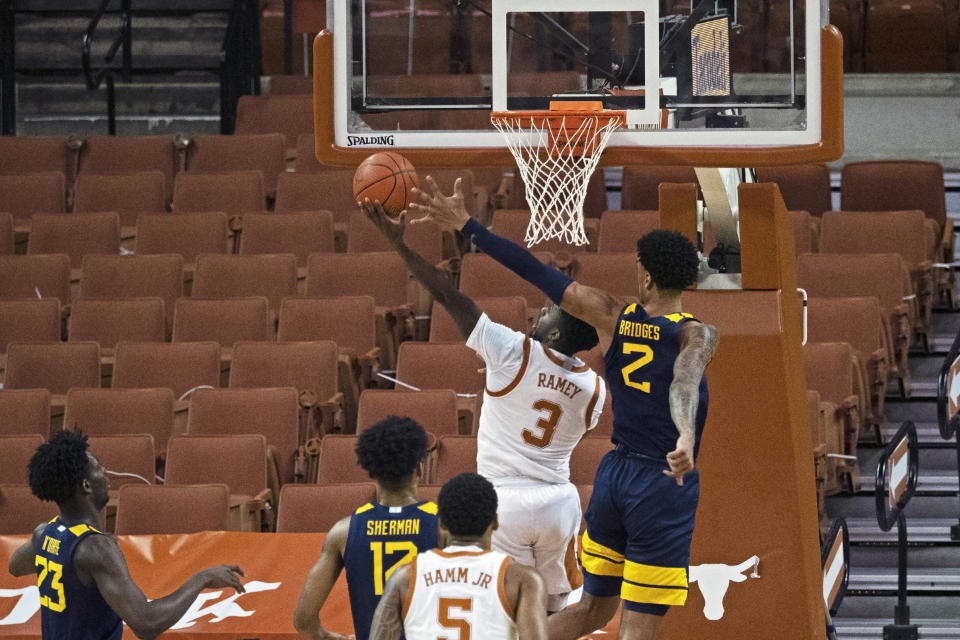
(225, 575)
(447, 212)
(391, 228)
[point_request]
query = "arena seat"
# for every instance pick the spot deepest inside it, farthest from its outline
(298, 233)
(306, 157)
(116, 412)
(21, 155)
(273, 276)
(290, 115)
(28, 320)
(222, 320)
(315, 509)
(126, 154)
(25, 411)
(308, 367)
(186, 234)
(806, 234)
(834, 372)
(483, 277)
(641, 184)
(510, 311)
(56, 367)
(882, 275)
(113, 277)
(382, 276)
(615, 273)
(452, 365)
(364, 237)
(455, 455)
(860, 323)
(234, 193)
(15, 453)
(31, 277)
(238, 152)
(803, 187)
(6, 234)
(159, 509)
(901, 232)
(131, 453)
(620, 230)
(21, 511)
(328, 189)
(337, 463)
(585, 458)
(107, 322)
(270, 412)
(434, 409)
(287, 84)
(238, 461)
(816, 412)
(179, 366)
(919, 30)
(129, 194)
(74, 235)
(22, 196)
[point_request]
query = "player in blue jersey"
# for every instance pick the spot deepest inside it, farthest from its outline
(86, 592)
(641, 515)
(380, 536)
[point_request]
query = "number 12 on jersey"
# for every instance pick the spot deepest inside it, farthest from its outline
(646, 357)
(380, 549)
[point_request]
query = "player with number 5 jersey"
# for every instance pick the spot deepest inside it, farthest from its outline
(539, 402)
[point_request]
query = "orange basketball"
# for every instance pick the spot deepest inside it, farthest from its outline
(386, 177)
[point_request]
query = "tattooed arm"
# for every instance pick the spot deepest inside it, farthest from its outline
(388, 618)
(698, 342)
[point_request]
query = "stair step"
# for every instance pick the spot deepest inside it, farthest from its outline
(65, 125)
(87, 6)
(919, 530)
(201, 96)
(872, 628)
(884, 579)
(921, 506)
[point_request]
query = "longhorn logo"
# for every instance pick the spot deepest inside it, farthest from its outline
(715, 579)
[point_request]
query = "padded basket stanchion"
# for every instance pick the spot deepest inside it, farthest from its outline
(556, 152)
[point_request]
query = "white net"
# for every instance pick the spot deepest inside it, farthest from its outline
(556, 154)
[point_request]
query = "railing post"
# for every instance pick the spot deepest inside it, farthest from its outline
(8, 75)
(127, 27)
(111, 105)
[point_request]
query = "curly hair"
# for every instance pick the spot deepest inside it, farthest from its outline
(391, 449)
(669, 258)
(575, 334)
(59, 467)
(467, 504)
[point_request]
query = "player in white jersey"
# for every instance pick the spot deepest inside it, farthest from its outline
(465, 590)
(539, 402)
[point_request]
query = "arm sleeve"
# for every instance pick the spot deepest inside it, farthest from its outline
(549, 280)
(500, 347)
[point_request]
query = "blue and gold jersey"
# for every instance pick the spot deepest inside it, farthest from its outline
(639, 367)
(381, 539)
(69, 609)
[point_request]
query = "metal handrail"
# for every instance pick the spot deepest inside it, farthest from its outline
(123, 41)
(949, 424)
(239, 61)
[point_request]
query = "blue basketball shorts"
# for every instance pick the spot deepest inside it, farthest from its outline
(639, 528)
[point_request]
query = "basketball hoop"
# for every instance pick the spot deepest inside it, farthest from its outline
(556, 152)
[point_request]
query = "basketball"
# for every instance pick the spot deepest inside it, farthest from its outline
(386, 177)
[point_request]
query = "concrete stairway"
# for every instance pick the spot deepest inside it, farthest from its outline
(933, 559)
(175, 85)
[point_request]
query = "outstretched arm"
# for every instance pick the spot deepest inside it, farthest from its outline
(100, 558)
(463, 310)
(387, 621)
(698, 342)
(319, 583)
(593, 306)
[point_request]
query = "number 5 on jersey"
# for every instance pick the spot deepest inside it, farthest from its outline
(444, 605)
(646, 356)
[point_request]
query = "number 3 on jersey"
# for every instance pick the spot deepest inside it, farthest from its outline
(646, 356)
(389, 548)
(548, 424)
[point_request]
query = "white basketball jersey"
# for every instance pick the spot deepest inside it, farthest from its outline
(458, 594)
(537, 406)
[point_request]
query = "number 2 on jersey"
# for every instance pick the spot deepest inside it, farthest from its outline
(646, 356)
(380, 549)
(55, 571)
(443, 616)
(547, 424)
